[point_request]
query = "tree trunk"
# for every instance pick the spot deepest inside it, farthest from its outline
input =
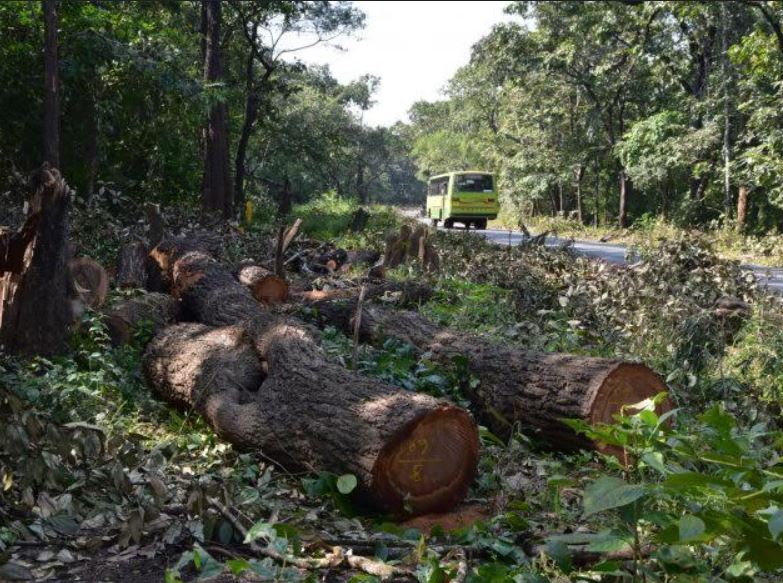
(742, 207)
(217, 195)
(625, 191)
(35, 286)
(579, 175)
(52, 96)
(91, 146)
(263, 383)
(285, 203)
(132, 266)
(517, 387)
(727, 202)
(361, 187)
(251, 114)
(128, 317)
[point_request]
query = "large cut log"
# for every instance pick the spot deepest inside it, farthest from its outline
(534, 390)
(35, 286)
(265, 286)
(132, 265)
(263, 383)
(129, 316)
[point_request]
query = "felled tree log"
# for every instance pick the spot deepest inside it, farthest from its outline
(265, 286)
(532, 389)
(132, 265)
(402, 294)
(125, 318)
(90, 281)
(263, 383)
(35, 284)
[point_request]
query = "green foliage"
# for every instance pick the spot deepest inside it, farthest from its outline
(326, 216)
(705, 485)
(564, 104)
(757, 356)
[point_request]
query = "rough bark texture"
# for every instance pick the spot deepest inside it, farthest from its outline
(530, 389)
(132, 265)
(742, 206)
(156, 310)
(262, 381)
(35, 292)
(51, 135)
(217, 193)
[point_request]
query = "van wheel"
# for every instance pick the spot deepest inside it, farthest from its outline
(448, 223)
(434, 222)
(481, 224)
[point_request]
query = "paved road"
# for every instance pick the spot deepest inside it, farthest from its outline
(772, 278)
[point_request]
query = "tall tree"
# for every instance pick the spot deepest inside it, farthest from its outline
(217, 189)
(51, 135)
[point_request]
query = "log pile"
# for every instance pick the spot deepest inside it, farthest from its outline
(262, 382)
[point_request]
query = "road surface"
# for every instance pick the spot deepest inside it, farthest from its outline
(769, 277)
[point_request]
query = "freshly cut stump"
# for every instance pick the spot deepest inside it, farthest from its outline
(265, 286)
(533, 391)
(277, 392)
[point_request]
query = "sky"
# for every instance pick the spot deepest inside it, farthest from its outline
(413, 46)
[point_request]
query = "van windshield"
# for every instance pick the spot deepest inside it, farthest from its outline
(474, 183)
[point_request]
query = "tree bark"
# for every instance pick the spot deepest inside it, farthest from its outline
(532, 390)
(625, 191)
(52, 96)
(132, 265)
(263, 383)
(579, 174)
(217, 194)
(35, 286)
(742, 207)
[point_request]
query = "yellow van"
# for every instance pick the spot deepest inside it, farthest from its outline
(468, 197)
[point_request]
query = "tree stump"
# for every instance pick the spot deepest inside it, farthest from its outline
(35, 284)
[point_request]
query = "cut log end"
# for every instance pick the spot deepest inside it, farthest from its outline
(429, 465)
(265, 286)
(626, 384)
(270, 290)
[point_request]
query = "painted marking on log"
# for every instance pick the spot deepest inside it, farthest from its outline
(417, 449)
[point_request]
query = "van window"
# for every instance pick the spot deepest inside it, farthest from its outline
(439, 186)
(474, 183)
